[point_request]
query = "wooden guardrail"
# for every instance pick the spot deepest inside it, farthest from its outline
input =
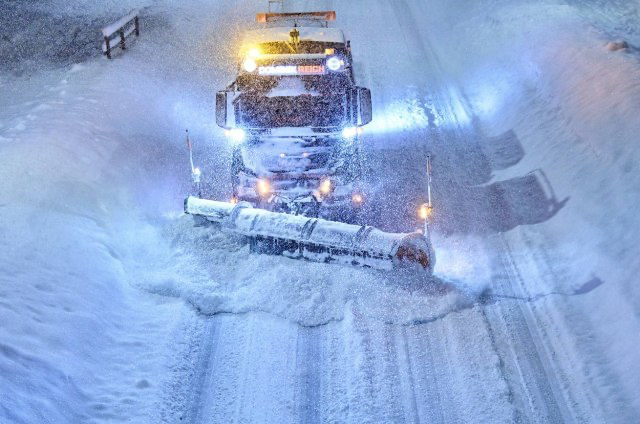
(116, 34)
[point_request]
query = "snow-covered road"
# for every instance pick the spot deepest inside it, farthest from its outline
(463, 365)
(531, 317)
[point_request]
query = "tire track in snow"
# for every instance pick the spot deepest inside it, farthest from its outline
(202, 372)
(190, 349)
(425, 391)
(523, 365)
(557, 394)
(308, 375)
(258, 368)
(250, 376)
(404, 371)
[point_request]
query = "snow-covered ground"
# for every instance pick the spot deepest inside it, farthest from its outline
(113, 307)
(548, 77)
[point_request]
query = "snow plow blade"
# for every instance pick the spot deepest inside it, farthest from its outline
(316, 239)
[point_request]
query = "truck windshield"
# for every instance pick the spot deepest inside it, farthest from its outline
(262, 84)
(254, 111)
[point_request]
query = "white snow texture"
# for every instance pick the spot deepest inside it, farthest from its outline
(115, 308)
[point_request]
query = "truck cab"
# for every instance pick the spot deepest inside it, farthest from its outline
(295, 115)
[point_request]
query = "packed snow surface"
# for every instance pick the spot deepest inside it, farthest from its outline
(114, 307)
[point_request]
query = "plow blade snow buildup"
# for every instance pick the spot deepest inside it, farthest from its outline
(316, 239)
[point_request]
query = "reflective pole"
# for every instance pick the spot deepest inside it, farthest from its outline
(425, 209)
(195, 172)
(429, 179)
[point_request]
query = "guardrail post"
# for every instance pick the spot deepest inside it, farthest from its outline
(108, 46)
(122, 39)
(137, 26)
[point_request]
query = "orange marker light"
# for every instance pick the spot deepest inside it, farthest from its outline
(325, 186)
(425, 211)
(264, 187)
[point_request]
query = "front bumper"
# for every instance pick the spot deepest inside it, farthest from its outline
(304, 198)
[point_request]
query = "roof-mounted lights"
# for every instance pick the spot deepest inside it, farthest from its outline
(294, 36)
(254, 52)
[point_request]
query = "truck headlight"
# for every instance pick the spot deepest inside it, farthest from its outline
(249, 65)
(351, 132)
(236, 134)
(333, 63)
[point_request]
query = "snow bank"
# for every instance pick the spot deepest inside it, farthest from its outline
(88, 168)
(71, 321)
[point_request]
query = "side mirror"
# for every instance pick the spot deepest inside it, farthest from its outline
(365, 112)
(221, 109)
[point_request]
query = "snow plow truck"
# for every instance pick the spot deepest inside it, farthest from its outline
(295, 116)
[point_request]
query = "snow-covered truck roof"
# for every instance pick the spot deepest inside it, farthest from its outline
(281, 34)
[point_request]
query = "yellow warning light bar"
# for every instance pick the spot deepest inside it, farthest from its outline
(329, 15)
